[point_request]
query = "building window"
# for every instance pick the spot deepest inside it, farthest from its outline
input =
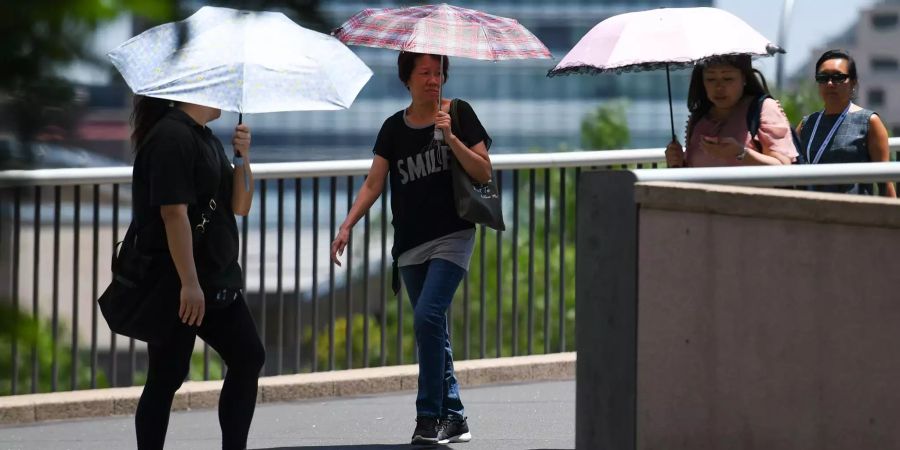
(884, 64)
(555, 37)
(876, 97)
(884, 21)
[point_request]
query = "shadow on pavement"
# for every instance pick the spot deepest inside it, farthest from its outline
(371, 447)
(362, 447)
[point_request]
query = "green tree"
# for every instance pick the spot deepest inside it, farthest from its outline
(29, 333)
(39, 40)
(606, 128)
(799, 102)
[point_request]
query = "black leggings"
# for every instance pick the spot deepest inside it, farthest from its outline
(233, 335)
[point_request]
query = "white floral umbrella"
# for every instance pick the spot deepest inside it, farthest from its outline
(242, 61)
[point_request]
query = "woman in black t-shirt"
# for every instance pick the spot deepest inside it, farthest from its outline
(182, 179)
(432, 245)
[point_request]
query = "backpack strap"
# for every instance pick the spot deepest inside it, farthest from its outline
(753, 118)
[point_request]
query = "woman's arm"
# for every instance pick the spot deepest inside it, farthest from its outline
(730, 148)
(774, 136)
(181, 247)
(879, 151)
(475, 160)
(368, 193)
(241, 197)
(765, 158)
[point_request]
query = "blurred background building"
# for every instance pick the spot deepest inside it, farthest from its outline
(874, 42)
(521, 108)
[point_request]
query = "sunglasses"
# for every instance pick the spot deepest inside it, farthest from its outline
(836, 78)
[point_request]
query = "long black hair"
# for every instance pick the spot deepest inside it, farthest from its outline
(698, 101)
(147, 111)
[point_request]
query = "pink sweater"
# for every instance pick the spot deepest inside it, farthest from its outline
(774, 134)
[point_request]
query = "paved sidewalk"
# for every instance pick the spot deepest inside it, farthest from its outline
(194, 395)
(502, 417)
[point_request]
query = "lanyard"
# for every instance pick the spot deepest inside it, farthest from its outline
(837, 123)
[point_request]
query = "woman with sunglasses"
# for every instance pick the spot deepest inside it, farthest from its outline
(843, 132)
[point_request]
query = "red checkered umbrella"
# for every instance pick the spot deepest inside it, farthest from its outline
(442, 30)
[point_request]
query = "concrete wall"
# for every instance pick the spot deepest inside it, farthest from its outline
(765, 319)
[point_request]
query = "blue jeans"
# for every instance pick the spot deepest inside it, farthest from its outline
(431, 286)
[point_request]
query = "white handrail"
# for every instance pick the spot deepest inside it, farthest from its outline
(306, 169)
(829, 173)
(779, 175)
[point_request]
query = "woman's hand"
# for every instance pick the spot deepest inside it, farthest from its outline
(193, 305)
(241, 140)
(442, 122)
(725, 148)
(339, 244)
(674, 154)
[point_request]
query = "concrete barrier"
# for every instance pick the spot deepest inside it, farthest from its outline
(717, 317)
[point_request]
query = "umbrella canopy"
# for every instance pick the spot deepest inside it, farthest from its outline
(241, 61)
(442, 30)
(660, 38)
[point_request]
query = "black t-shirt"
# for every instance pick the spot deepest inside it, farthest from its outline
(420, 180)
(182, 162)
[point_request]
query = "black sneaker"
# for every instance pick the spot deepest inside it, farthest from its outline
(427, 429)
(454, 429)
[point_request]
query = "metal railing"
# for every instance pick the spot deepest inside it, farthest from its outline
(313, 316)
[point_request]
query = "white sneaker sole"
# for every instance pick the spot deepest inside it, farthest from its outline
(465, 437)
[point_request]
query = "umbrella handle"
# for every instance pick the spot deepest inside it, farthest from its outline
(671, 114)
(240, 121)
(438, 133)
(237, 155)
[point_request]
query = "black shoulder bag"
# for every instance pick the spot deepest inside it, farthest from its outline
(138, 303)
(475, 202)
(141, 301)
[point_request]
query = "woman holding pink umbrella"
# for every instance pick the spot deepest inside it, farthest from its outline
(721, 92)
(724, 85)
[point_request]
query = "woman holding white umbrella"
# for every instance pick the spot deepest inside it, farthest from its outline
(186, 192)
(185, 197)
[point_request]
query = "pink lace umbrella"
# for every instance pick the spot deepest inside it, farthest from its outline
(442, 30)
(663, 38)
